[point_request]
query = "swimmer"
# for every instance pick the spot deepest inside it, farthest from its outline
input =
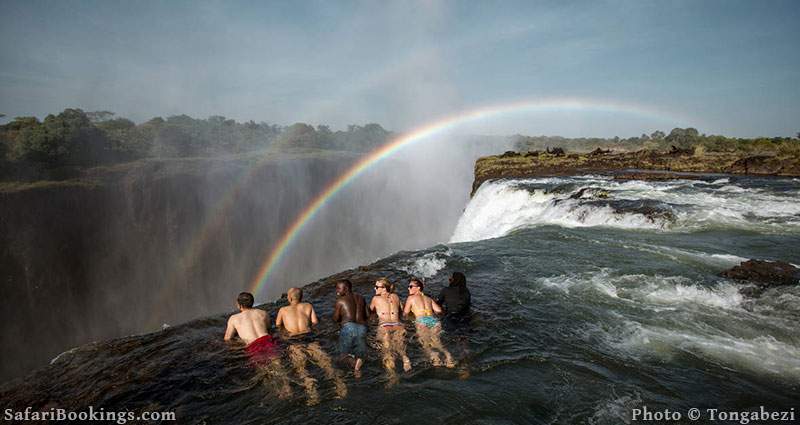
(455, 299)
(296, 319)
(391, 332)
(351, 311)
(429, 328)
(251, 325)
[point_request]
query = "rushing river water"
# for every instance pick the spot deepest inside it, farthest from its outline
(591, 297)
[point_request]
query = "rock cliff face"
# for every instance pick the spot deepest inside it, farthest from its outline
(640, 165)
(122, 250)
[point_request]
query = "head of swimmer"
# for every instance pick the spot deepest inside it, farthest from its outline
(294, 295)
(245, 301)
(383, 286)
(415, 285)
(458, 279)
(343, 287)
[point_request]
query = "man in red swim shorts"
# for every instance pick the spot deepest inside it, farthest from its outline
(251, 325)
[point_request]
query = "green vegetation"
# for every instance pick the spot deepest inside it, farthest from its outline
(62, 145)
(75, 138)
(680, 138)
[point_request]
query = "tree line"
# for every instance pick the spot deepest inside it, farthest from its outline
(678, 138)
(75, 137)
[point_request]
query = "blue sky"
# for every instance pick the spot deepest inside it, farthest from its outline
(724, 67)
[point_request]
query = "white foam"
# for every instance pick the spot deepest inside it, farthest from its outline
(677, 254)
(723, 296)
(762, 354)
(501, 207)
(427, 265)
(650, 292)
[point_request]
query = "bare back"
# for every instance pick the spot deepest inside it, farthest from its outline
(387, 308)
(421, 305)
(350, 308)
(296, 318)
(250, 325)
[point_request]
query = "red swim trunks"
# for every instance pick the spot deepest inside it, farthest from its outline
(262, 350)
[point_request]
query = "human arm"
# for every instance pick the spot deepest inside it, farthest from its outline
(407, 308)
(230, 331)
(337, 312)
(279, 319)
(435, 307)
(373, 309)
(314, 320)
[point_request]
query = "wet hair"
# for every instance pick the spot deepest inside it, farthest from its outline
(245, 300)
(390, 287)
(294, 293)
(418, 282)
(346, 283)
(458, 279)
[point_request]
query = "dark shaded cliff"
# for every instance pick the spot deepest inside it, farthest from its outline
(122, 250)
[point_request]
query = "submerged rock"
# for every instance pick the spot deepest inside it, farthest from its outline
(763, 274)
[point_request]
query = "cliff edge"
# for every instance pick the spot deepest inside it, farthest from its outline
(643, 164)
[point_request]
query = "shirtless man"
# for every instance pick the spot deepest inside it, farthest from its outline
(429, 328)
(297, 317)
(351, 311)
(391, 332)
(251, 325)
(296, 320)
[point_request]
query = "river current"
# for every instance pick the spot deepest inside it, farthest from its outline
(591, 297)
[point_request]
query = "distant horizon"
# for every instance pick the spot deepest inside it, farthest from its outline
(6, 119)
(731, 66)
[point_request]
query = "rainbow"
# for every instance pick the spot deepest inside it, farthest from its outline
(426, 132)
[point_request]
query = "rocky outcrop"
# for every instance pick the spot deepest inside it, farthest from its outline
(763, 275)
(644, 164)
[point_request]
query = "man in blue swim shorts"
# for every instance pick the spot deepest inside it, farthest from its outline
(351, 311)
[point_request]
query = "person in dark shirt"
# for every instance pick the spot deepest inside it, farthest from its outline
(455, 299)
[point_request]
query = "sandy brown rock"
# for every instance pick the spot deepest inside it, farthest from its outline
(643, 164)
(763, 274)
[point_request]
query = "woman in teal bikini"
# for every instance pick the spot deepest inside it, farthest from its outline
(429, 328)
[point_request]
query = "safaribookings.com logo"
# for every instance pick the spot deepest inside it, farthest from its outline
(90, 415)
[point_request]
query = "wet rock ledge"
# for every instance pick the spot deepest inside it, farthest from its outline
(641, 165)
(762, 275)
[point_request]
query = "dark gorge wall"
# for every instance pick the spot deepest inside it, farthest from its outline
(126, 250)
